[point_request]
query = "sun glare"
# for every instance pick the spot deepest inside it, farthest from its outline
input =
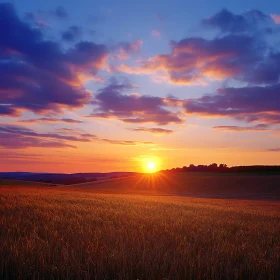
(150, 164)
(151, 167)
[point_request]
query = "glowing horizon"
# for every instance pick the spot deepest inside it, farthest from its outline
(92, 87)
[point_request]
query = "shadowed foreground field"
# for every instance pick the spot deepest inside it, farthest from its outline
(66, 234)
(245, 186)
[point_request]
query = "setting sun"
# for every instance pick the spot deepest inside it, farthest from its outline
(151, 166)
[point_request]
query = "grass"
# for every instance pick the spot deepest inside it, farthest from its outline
(68, 234)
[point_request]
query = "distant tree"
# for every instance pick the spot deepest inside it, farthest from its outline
(184, 169)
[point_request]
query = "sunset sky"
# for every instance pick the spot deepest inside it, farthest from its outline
(105, 85)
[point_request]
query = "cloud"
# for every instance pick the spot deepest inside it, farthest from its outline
(226, 21)
(258, 127)
(68, 130)
(22, 131)
(7, 110)
(9, 141)
(197, 60)
(72, 33)
(30, 16)
(273, 150)
(51, 120)
(125, 49)
(16, 137)
(276, 18)
(22, 137)
(155, 33)
(112, 102)
(240, 51)
(258, 103)
(60, 13)
(37, 74)
(126, 142)
(266, 117)
(153, 130)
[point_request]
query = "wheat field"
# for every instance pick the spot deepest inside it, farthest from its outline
(49, 233)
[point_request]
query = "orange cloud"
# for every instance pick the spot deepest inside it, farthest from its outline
(125, 50)
(155, 33)
(276, 18)
(154, 130)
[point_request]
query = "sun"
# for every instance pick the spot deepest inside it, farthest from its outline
(151, 166)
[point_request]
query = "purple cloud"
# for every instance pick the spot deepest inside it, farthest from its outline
(72, 34)
(197, 60)
(126, 142)
(51, 120)
(16, 137)
(68, 130)
(259, 103)
(125, 49)
(37, 74)
(22, 137)
(7, 110)
(232, 128)
(19, 130)
(154, 130)
(240, 52)
(112, 102)
(60, 13)
(249, 21)
(9, 141)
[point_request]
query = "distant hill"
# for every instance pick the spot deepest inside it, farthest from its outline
(76, 178)
(65, 179)
(22, 183)
(191, 184)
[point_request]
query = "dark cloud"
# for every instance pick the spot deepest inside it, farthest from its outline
(267, 117)
(30, 16)
(61, 13)
(22, 137)
(112, 102)
(249, 21)
(19, 130)
(259, 103)
(273, 150)
(6, 110)
(154, 130)
(16, 137)
(18, 155)
(258, 127)
(36, 74)
(126, 142)
(51, 120)
(10, 141)
(72, 34)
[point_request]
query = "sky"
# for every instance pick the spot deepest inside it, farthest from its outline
(99, 86)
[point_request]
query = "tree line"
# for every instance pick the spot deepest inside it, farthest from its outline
(223, 168)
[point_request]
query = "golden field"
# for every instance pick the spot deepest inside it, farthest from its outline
(77, 233)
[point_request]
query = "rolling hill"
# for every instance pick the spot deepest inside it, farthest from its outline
(191, 184)
(23, 183)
